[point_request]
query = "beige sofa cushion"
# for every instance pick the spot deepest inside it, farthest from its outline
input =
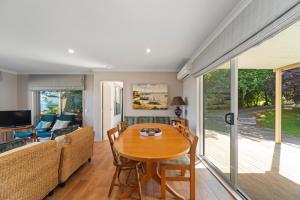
(77, 152)
(29, 172)
(63, 139)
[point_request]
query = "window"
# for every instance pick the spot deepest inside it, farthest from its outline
(57, 102)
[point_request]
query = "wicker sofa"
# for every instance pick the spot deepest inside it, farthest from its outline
(77, 148)
(29, 172)
(32, 171)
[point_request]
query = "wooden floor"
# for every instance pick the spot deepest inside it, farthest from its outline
(93, 179)
(265, 170)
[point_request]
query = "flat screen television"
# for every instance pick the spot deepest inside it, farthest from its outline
(15, 118)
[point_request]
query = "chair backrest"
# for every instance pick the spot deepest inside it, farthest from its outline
(112, 135)
(182, 129)
(122, 126)
(193, 139)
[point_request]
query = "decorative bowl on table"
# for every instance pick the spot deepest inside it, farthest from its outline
(147, 132)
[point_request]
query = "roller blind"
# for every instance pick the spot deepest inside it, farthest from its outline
(56, 82)
(259, 20)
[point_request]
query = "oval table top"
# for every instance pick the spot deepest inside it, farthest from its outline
(168, 146)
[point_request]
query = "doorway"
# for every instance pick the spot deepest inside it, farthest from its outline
(111, 105)
(219, 120)
(257, 154)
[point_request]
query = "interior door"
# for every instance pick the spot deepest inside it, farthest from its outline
(219, 120)
(106, 109)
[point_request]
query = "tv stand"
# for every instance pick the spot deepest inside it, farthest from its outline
(5, 132)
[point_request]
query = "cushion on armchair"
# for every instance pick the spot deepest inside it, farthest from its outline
(59, 124)
(43, 125)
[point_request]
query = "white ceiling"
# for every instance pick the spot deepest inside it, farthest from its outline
(281, 50)
(35, 35)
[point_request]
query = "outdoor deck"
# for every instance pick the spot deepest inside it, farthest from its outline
(266, 170)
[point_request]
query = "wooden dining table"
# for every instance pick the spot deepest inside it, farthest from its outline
(169, 145)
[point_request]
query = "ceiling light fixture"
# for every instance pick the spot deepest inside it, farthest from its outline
(71, 51)
(148, 51)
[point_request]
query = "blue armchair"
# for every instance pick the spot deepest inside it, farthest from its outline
(38, 129)
(48, 133)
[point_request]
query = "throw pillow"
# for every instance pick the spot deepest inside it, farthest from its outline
(63, 139)
(43, 125)
(60, 124)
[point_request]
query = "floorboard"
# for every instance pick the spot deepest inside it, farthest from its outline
(93, 179)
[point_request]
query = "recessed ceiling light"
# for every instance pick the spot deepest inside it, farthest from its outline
(71, 51)
(148, 51)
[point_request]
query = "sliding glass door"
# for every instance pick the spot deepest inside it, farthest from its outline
(218, 120)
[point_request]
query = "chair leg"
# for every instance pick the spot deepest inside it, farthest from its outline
(138, 181)
(163, 183)
(113, 180)
(127, 178)
(119, 174)
(143, 168)
(182, 172)
(192, 187)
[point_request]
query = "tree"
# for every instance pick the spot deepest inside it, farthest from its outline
(71, 101)
(253, 88)
(291, 85)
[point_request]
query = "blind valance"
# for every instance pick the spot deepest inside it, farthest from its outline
(56, 82)
(260, 20)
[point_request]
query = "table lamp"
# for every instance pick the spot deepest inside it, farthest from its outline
(178, 101)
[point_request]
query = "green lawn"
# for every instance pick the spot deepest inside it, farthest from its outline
(290, 121)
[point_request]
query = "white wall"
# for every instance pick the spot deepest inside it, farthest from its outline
(88, 100)
(19, 97)
(190, 96)
(128, 78)
(8, 91)
(24, 95)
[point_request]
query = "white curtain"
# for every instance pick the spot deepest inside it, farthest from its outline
(259, 20)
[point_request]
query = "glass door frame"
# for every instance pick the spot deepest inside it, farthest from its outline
(234, 133)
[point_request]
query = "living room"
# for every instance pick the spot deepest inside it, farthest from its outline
(148, 99)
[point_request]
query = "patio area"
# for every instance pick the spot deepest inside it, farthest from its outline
(265, 170)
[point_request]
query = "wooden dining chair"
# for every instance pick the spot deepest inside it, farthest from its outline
(182, 129)
(185, 163)
(185, 132)
(122, 164)
(122, 126)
